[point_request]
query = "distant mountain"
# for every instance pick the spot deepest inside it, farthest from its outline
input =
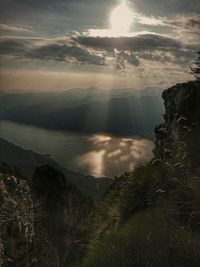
(118, 112)
(27, 160)
(71, 97)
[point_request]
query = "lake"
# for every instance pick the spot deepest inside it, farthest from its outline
(98, 155)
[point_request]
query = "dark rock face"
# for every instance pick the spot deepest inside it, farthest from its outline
(65, 209)
(16, 222)
(179, 135)
(40, 220)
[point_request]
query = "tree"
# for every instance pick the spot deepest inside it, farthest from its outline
(196, 68)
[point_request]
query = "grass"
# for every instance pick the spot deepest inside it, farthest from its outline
(149, 239)
(150, 217)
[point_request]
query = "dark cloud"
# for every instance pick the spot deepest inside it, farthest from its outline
(100, 50)
(137, 43)
(58, 51)
(147, 47)
(14, 47)
(122, 58)
(63, 52)
(133, 60)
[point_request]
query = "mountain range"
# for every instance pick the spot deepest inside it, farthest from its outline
(119, 111)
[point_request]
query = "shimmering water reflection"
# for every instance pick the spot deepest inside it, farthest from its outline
(98, 155)
(112, 155)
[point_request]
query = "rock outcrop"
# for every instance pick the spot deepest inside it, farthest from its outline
(16, 221)
(178, 136)
(41, 221)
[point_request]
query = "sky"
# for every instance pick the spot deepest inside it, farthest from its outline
(62, 44)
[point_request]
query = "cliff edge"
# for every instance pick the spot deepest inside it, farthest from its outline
(178, 136)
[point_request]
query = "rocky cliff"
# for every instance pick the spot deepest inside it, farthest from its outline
(41, 222)
(178, 136)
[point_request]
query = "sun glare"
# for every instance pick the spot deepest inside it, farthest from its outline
(121, 19)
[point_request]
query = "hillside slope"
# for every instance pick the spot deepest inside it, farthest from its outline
(151, 217)
(27, 160)
(41, 220)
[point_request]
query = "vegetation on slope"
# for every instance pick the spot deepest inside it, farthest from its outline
(151, 217)
(153, 221)
(42, 221)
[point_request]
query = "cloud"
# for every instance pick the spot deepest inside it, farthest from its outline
(13, 47)
(133, 60)
(162, 38)
(64, 52)
(124, 57)
(146, 47)
(136, 43)
(15, 28)
(187, 28)
(43, 49)
(121, 52)
(55, 18)
(152, 21)
(185, 22)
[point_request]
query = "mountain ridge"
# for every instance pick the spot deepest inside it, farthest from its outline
(27, 160)
(86, 112)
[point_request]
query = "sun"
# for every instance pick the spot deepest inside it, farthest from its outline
(121, 19)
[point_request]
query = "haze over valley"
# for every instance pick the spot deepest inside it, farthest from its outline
(121, 112)
(94, 131)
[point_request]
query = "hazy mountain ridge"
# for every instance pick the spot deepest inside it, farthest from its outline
(27, 160)
(116, 112)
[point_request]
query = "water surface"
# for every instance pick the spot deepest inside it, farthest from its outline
(98, 155)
